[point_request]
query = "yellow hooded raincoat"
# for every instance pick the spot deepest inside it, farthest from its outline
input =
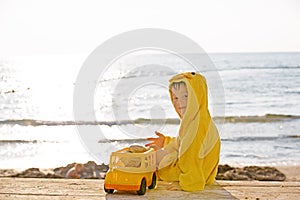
(192, 157)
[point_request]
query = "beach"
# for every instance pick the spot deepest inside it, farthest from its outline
(20, 188)
(44, 184)
(61, 188)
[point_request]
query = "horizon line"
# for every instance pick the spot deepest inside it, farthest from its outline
(208, 52)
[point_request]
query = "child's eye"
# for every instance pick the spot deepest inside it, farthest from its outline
(186, 96)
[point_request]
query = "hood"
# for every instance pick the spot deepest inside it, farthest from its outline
(196, 123)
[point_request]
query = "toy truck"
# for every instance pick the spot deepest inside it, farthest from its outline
(131, 170)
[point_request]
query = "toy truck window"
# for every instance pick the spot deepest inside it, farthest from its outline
(147, 161)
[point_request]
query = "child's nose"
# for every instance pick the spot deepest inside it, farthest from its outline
(182, 101)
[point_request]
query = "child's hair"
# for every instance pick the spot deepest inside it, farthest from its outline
(177, 85)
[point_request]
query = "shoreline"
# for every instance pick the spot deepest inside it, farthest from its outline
(290, 173)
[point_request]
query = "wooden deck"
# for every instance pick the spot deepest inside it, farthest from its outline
(29, 188)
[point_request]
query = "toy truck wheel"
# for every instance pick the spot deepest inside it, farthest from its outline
(110, 191)
(153, 183)
(142, 190)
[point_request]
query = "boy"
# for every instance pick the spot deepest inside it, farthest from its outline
(191, 159)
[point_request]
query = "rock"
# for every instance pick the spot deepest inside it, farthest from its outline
(30, 173)
(250, 173)
(7, 172)
(238, 174)
(62, 171)
(103, 167)
(90, 170)
(266, 173)
(224, 168)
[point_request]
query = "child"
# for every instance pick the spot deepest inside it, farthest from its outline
(191, 159)
(75, 172)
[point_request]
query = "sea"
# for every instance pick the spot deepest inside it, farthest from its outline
(254, 98)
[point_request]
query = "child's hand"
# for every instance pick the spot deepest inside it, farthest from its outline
(156, 143)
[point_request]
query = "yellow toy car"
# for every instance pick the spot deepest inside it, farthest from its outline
(131, 169)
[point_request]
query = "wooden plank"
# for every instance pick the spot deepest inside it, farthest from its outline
(262, 190)
(29, 188)
(259, 183)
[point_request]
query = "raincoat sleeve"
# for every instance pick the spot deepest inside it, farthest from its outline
(169, 153)
(171, 144)
(168, 140)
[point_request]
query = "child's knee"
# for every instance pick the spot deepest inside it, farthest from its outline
(169, 173)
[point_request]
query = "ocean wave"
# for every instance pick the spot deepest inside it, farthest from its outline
(33, 122)
(137, 73)
(226, 119)
(246, 156)
(134, 75)
(235, 139)
(258, 68)
(256, 118)
(260, 138)
(143, 140)
(24, 141)
(129, 140)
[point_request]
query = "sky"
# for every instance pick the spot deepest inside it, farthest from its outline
(65, 27)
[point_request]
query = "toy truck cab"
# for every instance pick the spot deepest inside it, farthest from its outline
(131, 171)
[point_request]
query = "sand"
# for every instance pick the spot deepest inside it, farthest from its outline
(292, 173)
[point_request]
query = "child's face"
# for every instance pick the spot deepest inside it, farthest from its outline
(180, 97)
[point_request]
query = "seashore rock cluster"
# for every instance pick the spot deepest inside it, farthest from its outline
(249, 173)
(91, 170)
